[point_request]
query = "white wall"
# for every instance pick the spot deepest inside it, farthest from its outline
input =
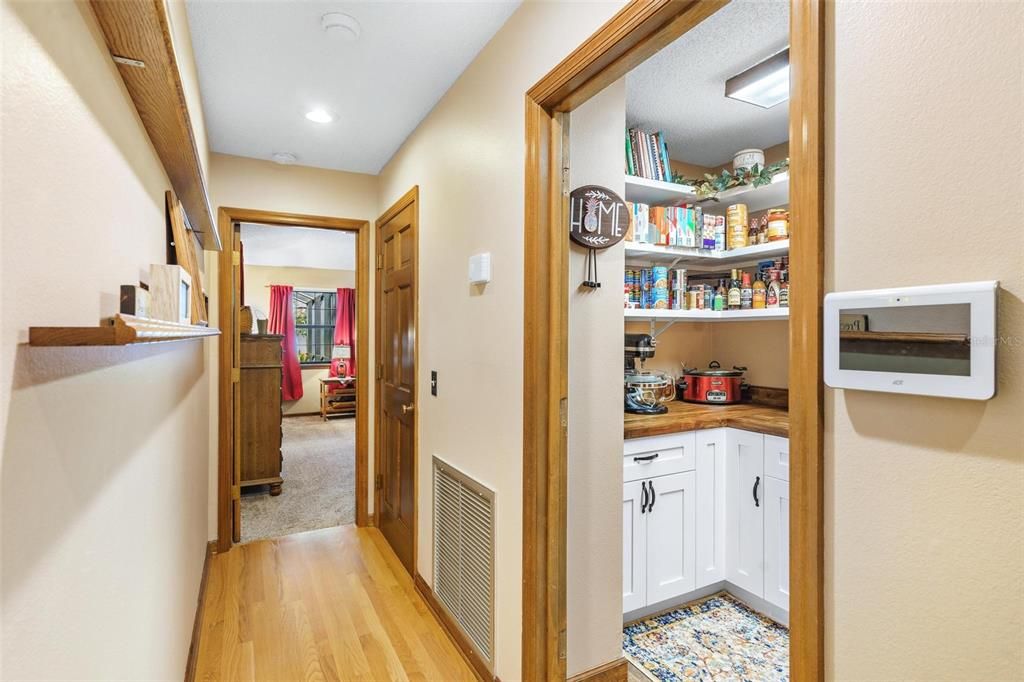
(924, 523)
(595, 402)
(103, 496)
(467, 157)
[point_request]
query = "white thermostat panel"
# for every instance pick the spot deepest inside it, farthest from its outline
(480, 268)
(932, 340)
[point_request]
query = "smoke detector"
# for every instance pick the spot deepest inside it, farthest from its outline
(340, 26)
(284, 158)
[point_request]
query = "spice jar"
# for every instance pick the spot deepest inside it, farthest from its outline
(778, 224)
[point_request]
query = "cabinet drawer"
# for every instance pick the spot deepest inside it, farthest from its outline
(659, 456)
(776, 457)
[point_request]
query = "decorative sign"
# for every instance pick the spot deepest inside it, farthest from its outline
(598, 217)
(853, 323)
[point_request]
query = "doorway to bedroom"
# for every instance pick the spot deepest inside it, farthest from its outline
(297, 379)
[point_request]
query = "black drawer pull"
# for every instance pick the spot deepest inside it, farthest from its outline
(646, 458)
(757, 482)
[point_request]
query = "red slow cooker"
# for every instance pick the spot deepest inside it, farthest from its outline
(714, 385)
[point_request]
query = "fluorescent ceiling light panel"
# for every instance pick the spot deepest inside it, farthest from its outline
(765, 84)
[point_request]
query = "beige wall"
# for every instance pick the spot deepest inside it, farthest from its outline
(595, 402)
(258, 279)
(251, 183)
(104, 450)
(924, 514)
(762, 347)
(467, 157)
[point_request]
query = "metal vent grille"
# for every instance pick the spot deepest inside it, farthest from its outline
(464, 553)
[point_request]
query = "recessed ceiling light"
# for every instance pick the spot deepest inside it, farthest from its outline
(765, 84)
(284, 158)
(341, 26)
(319, 116)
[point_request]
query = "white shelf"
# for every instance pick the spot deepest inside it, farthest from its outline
(707, 315)
(658, 193)
(653, 253)
(773, 195)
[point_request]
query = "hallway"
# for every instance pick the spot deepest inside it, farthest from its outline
(333, 604)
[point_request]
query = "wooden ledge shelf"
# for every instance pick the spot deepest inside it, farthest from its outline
(120, 330)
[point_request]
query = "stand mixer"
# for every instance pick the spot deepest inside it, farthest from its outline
(644, 391)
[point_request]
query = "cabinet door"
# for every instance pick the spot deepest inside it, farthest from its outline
(671, 543)
(711, 493)
(776, 542)
(745, 525)
(776, 457)
(634, 547)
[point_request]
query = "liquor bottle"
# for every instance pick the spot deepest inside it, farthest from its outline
(759, 294)
(784, 290)
(733, 299)
(720, 296)
(772, 298)
(746, 293)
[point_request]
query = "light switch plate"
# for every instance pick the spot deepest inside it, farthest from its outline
(480, 268)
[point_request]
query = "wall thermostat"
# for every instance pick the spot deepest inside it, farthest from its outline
(480, 268)
(930, 340)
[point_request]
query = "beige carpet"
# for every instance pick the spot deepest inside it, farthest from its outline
(319, 481)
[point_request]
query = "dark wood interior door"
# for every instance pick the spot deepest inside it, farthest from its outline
(396, 383)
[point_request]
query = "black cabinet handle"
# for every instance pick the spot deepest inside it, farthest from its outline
(757, 482)
(653, 496)
(643, 497)
(646, 458)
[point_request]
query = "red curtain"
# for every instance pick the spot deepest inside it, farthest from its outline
(282, 321)
(345, 326)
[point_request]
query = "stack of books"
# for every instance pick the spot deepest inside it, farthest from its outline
(647, 155)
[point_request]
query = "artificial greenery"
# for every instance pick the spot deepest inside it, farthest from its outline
(710, 185)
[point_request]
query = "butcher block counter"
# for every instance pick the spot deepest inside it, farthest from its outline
(681, 416)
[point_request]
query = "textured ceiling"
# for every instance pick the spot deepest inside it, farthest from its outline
(298, 247)
(263, 63)
(681, 90)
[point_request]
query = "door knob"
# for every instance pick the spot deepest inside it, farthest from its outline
(406, 409)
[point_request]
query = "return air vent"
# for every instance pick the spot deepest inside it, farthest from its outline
(464, 554)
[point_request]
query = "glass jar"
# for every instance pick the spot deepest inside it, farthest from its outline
(778, 224)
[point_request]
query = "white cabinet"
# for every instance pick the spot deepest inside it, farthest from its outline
(703, 507)
(776, 542)
(745, 494)
(711, 506)
(634, 546)
(670, 536)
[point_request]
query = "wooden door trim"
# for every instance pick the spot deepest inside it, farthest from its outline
(410, 198)
(638, 31)
(226, 217)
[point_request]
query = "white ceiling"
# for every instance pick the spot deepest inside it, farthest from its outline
(298, 247)
(681, 89)
(264, 63)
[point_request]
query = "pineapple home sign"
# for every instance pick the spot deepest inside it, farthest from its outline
(598, 218)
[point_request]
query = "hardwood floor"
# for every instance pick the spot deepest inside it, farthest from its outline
(332, 604)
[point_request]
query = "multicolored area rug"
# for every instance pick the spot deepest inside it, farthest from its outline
(716, 638)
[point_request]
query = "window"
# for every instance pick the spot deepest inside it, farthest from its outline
(314, 325)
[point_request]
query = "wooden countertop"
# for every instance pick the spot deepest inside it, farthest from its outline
(681, 416)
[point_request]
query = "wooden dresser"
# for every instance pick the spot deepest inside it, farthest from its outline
(260, 407)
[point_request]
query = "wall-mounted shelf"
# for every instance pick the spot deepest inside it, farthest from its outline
(772, 195)
(120, 330)
(676, 255)
(657, 192)
(138, 35)
(706, 315)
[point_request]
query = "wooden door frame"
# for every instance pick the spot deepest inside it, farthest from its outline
(412, 197)
(228, 320)
(637, 32)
